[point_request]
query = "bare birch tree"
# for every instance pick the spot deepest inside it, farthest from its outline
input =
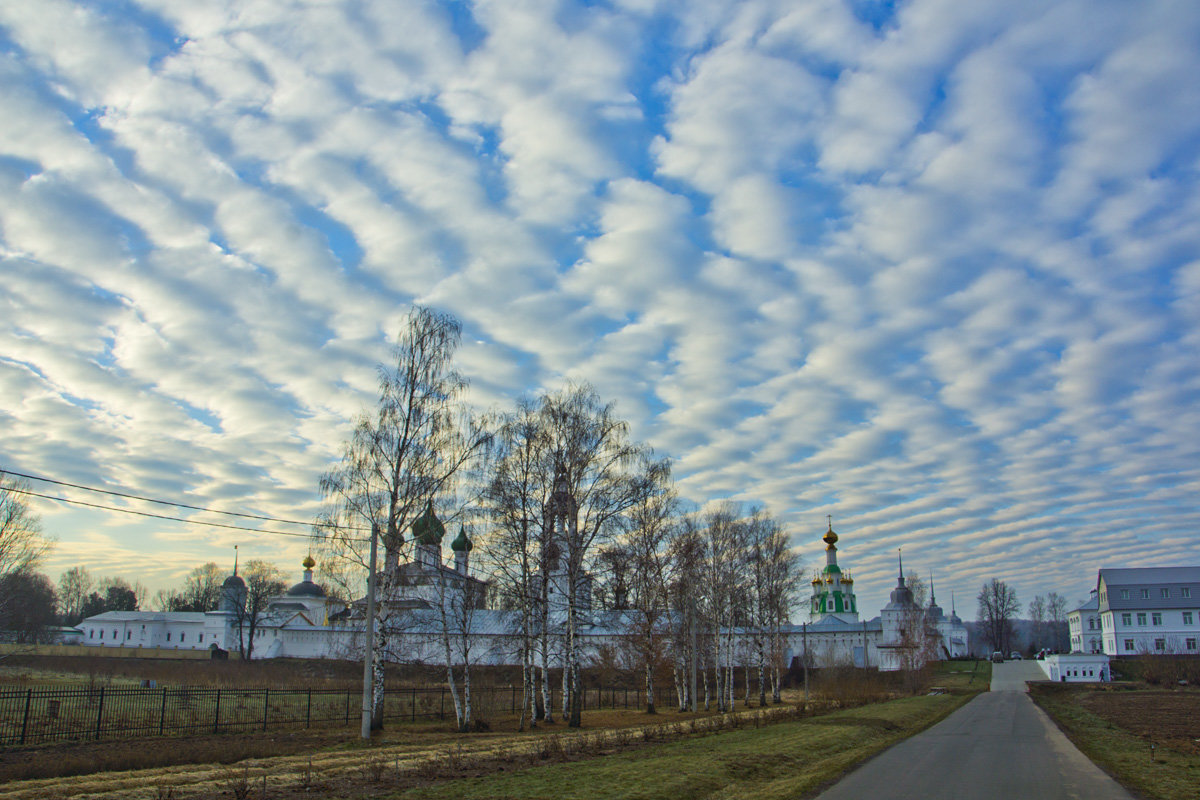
(459, 597)
(646, 552)
(263, 580)
(1056, 615)
(516, 498)
(998, 606)
(399, 458)
(1037, 619)
(22, 546)
(687, 611)
(74, 586)
(723, 579)
(774, 572)
(603, 475)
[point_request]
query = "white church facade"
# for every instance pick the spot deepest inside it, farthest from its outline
(304, 622)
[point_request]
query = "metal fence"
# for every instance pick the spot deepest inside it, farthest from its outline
(32, 716)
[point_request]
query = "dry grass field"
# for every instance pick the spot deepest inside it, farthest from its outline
(1147, 738)
(299, 762)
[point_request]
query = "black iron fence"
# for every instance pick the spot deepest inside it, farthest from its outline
(32, 716)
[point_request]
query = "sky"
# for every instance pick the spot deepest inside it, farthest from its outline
(928, 267)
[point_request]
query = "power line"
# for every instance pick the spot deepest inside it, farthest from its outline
(159, 502)
(156, 516)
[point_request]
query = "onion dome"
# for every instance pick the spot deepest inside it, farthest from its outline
(461, 543)
(306, 587)
(830, 538)
(428, 529)
(846, 578)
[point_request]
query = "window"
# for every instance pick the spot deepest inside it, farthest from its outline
(1165, 593)
(168, 636)
(1160, 645)
(114, 633)
(201, 637)
(1191, 644)
(1156, 618)
(1091, 623)
(1127, 619)
(128, 634)
(1186, 592)
(1141, 618)
(182, 636)
(1129, 645)
(1145, 594)
(91, 633)
(1124, 594)
(1187, 618)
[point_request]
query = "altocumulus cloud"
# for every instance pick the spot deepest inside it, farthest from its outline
(930, 269)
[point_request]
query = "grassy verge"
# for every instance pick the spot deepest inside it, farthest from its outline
(784, 760)
(1162, 773)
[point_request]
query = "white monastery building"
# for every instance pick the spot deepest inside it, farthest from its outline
(304, 622)
(1151, 610)
(1085, 627)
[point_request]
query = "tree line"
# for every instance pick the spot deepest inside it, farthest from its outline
(998, 608)
(32, 605)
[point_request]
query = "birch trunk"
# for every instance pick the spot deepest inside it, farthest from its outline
(547, 693)
(649, 688)
(466, 696)
(377, 678)
(762, 680)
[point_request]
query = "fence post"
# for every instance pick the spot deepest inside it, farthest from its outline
(25, 723)
(266, 706)
(99, 712)
(217, 713)
(308, 712)
(162, 712)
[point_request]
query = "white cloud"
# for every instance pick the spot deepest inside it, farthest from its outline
(934, 276)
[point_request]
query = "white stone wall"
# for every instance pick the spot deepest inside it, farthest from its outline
(1076, 667)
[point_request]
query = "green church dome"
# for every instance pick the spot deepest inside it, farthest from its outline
(428, 529)
(462, 544)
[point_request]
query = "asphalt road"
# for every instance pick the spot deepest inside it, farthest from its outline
(1000, 746)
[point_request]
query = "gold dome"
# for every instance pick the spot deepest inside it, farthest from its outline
(308, 562)
(830, 538)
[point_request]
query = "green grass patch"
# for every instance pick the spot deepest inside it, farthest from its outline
(1163, 773)
(784, 760)
(972, 676)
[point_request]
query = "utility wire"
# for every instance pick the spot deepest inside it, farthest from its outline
(159, 502)
(157, 516)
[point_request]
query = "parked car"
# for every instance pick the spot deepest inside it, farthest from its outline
(1014, 655)
(997, 657)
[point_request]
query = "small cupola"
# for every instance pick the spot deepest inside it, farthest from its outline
(461, 543)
